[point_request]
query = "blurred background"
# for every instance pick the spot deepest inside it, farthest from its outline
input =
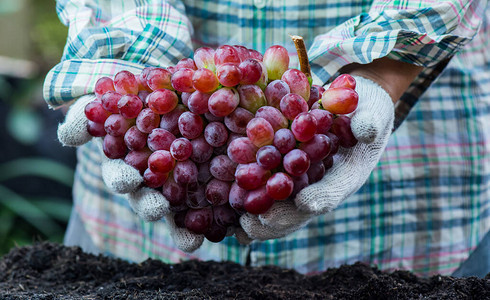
(36, 172)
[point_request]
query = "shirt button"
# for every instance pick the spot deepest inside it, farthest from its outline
(260, 3)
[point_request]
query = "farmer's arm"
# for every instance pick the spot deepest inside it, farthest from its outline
(392, 75)
(107, 36)
(420, 33)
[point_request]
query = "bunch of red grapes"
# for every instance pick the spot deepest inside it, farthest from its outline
(227, 132)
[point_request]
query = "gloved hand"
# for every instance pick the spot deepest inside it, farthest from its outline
(372, 125)
(149, 204)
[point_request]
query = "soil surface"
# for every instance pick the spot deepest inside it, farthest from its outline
(52, 271)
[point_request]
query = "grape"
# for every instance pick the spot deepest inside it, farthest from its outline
(229, 74)
(217, 192)
(185, 98)
(95, 112)
(162, 101)
(147, 120)
(204, 175)
(224, 215)
(154, 179)
(279, 186)
(255, 54)
(334, 143)
(264, 79)
(276, 60)
(95, 129)
(341, 128)
(304, 127)
(242, 52)
(237, 197)
(173, 192)
(117, 125)
(161, 161)
(159, 78)
(126, 83)
(172, 69)
(186, 63)
(324, 120)
(197, 198)
(185, 172)
(138, 159)
(223, 102)
(300, 182)
(142, 94)
(237, 121)
(130, 106)
(102, 86)
(345, 81)
(328, 162)
(273, 116)
(275, 91)
(201, 150)
(215, 233)
(198, 102)
(258, 201)
(242, 150)
(292, 105)
(233, 136)
(296, 162)
(190, 124)
(314, 96)
(251, 97)
(251, 176)
(216, 134)
(219, 150)
(179, 219)
(284, 140)
(316, 148)
(320, 88)
(226, 54)
(223, 168)
(181, 149)
(142, 80)
(182, 80)
(224, 148)
(199, 220)
(181, 208)
(109, 101)
(204, 58)
(268, 157)
(340, 100)
(315, 172)
(251, 71)
(298, 83)
(205, 81)
(169, 121)
(160, 139)
(114, 147)
(135, 139)
(212, 118)
(315, 105)
(260, 132)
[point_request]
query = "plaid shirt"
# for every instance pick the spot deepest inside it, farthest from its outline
(425, 206)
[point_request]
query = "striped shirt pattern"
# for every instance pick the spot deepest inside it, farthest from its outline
(425, 206)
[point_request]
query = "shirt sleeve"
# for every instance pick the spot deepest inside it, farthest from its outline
(107, 36)
(425, 33)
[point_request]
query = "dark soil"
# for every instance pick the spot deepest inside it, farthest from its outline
(52, 271)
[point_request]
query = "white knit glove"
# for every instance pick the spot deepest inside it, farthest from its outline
(372, 125)
(149, 204)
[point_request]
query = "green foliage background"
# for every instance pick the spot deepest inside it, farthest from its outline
(36, 173)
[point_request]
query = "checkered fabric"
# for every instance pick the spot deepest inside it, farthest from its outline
(425, 206)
